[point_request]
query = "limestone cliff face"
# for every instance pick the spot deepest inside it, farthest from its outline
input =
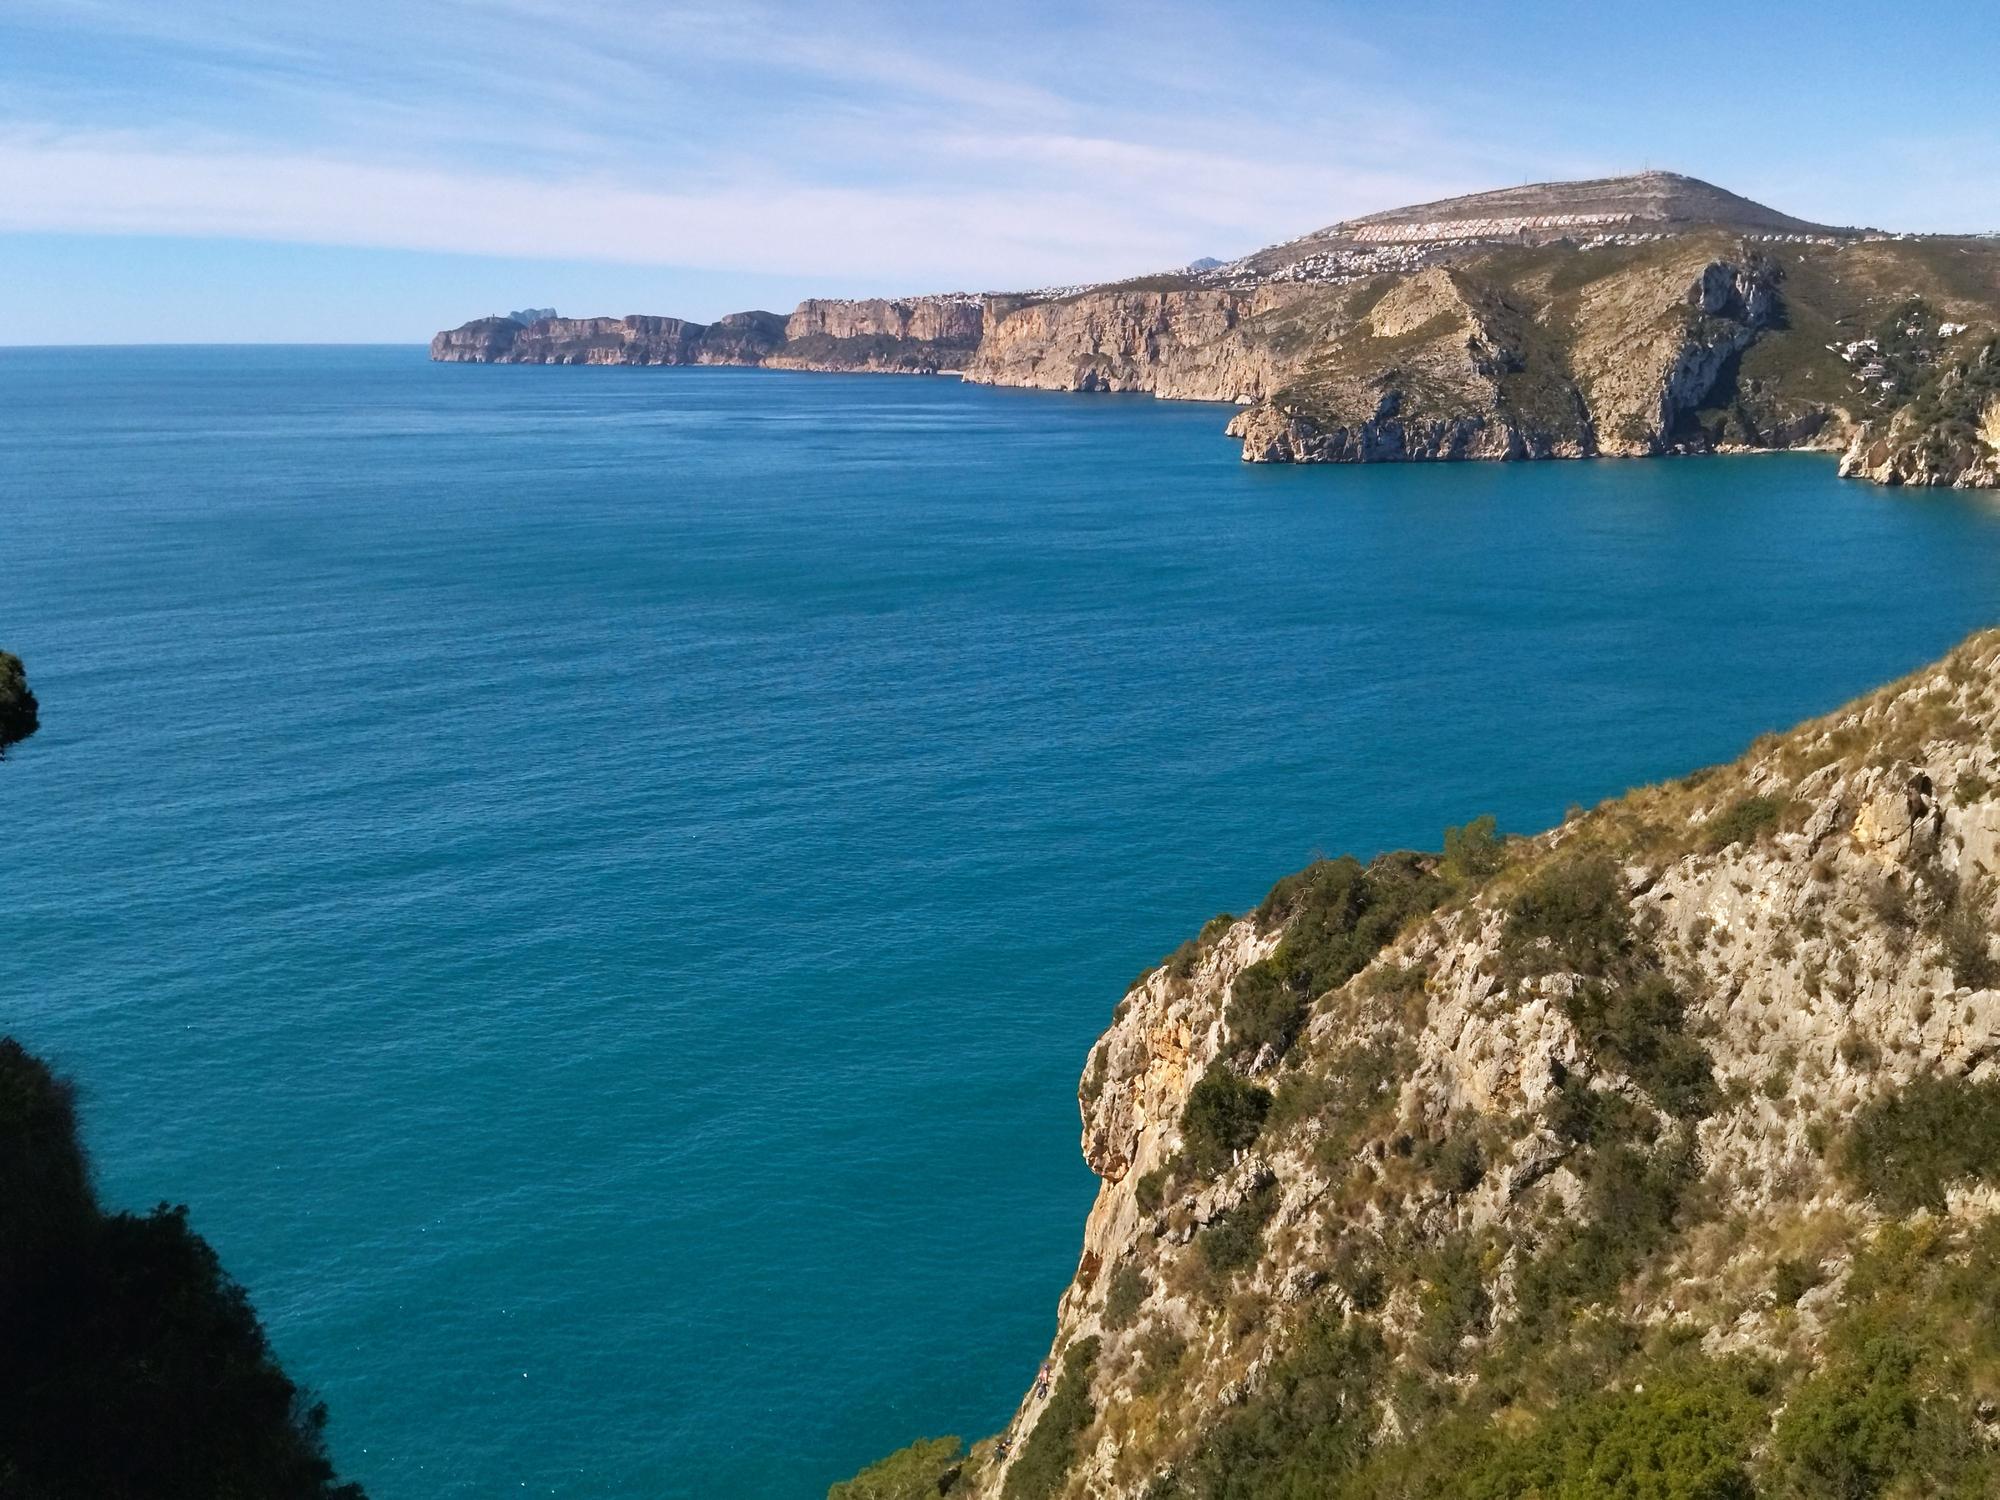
(1813, 926)
(1196, 345)
(740, 338)
(1475, 361)
(482, 341)
(928, 320)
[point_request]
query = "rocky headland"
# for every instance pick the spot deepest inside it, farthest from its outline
(1656, 1155)
(1640, 315)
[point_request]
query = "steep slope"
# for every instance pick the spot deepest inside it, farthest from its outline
(1523, 354)
(1656, 1155)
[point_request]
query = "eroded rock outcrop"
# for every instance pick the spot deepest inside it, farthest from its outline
(740, 338)
(1192, 345)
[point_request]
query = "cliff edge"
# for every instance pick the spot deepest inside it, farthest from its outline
(1657, 1155)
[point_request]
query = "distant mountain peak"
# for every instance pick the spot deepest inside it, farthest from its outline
(1641, 201)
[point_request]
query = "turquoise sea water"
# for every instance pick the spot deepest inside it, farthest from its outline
(597, 884)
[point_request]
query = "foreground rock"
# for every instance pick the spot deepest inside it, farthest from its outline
(1629, 316)
(1658, 1154)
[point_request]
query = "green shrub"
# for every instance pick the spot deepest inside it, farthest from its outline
(1744, 821)
(1905, 1148)
(1047, 1457)
(1151, 1189)
(1125, 1296)
(131, 1363)
(1473, 852)
(1572, 917)
(922, 1471)
(1966, 938)
(1160, 1350)
(1638, 1025)
(1792, 1278)
(1309, 1422)
(1235, 1239)
(1224, 1113)
(1684, 1437)
(1632, 1192)
(1347, 1094)
(1866, 1426)
(1453, 1303)
(1337, 915)
(1456, 1164)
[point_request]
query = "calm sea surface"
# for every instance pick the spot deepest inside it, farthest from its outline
(597, 884)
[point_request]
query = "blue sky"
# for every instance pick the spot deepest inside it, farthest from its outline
(374, 169)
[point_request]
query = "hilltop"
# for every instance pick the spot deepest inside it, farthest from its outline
(1623, 316)
(1656, 1155)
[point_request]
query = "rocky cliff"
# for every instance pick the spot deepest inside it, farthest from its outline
(1623, 316)
(913, 336)
(740, 338)
(1947, 435)
(1502, 357)
(1657, 1155)
(1195, 344)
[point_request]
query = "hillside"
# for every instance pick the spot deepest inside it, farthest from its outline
(1657, 1155)
(1625, 316)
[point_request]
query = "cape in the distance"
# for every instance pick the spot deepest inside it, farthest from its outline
(1624, 316)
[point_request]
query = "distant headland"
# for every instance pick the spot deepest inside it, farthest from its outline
(1623, 316)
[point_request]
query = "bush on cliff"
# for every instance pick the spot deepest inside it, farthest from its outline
(1906, 1148)
(1223, 1114)
(1050, 1452)
(922, 1471)
(1571, 918)
(1337, 915)
(131, 1365)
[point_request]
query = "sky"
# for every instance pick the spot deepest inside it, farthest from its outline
(372, 170)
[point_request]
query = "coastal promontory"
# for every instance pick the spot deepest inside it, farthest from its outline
(1631, 316)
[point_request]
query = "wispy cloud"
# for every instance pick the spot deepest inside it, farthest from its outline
(1158, 206)
(885, 144)
(843, 140)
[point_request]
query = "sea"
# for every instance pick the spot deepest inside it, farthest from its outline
(597, 885)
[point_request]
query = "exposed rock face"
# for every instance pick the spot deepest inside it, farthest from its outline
(1194, 345)
(926, 320)
(1454, 363)
(482, 341)
(1820, 914)
(740, 338)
